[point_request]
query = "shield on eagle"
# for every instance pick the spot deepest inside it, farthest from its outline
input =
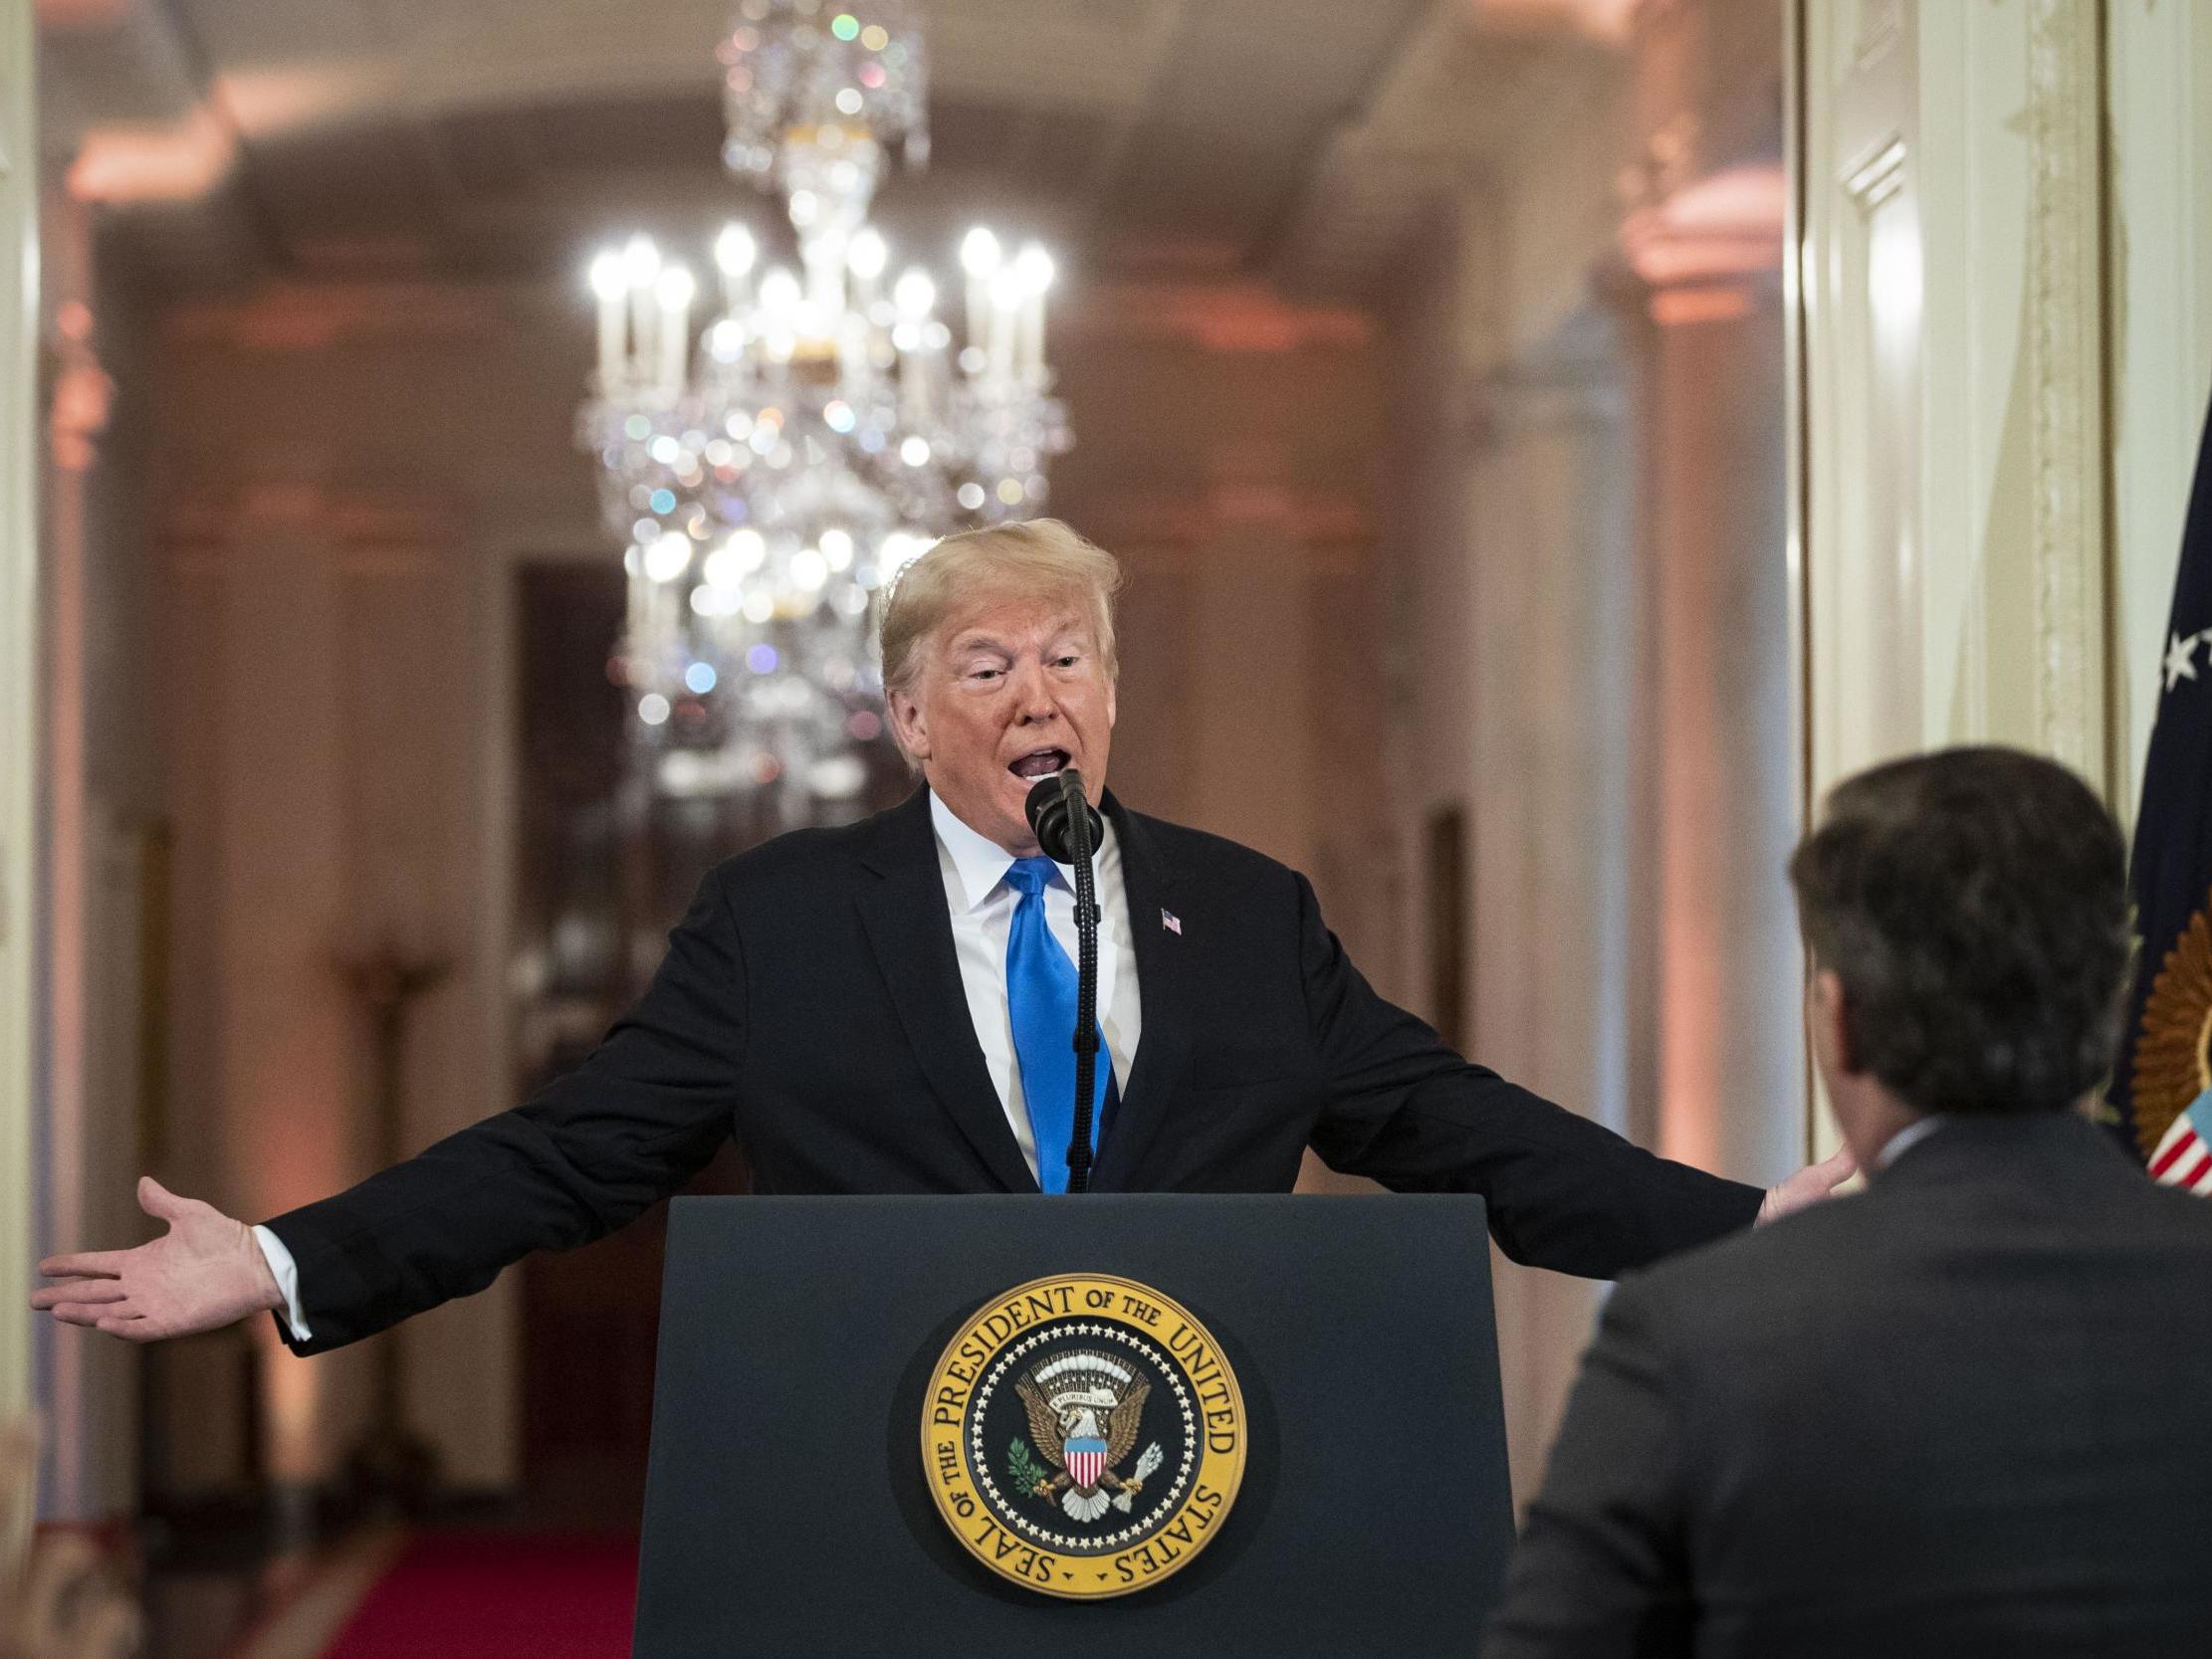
(1086, 1461)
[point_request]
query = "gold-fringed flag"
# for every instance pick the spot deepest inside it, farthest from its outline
(2163, 1087)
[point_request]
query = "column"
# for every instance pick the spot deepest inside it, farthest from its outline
(267, 1064)
(1717, 734)
(1553, 641)
(95, 835)
(19, 698)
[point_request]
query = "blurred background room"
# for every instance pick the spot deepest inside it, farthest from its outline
(453, 453)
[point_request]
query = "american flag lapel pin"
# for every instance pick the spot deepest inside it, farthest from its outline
(1172, 922)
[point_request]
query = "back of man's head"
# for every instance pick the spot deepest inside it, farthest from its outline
(1973, 905)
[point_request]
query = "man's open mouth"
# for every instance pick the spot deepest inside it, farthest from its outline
(1038, 762)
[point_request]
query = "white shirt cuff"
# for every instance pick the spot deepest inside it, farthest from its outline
(287, 1272)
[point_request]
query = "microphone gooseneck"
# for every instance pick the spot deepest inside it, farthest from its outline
(1069, 828)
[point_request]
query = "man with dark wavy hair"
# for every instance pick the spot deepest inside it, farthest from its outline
(1951, 1415)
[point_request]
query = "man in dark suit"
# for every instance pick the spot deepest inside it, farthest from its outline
(887, 1007)
(1953, 1415)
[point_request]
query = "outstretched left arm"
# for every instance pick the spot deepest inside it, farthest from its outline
(1564, 1193)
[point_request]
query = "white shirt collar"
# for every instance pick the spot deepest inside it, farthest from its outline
(980, 863)
(1905, 1139)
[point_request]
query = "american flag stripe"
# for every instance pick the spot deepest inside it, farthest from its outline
(2180, 1141)
(2202, 1186)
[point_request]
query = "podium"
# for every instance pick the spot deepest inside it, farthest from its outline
(1265, 1425)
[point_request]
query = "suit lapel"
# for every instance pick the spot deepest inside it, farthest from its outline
(1148, 1093)
(911, 934)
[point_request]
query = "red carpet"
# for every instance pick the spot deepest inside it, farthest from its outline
(498, 1595)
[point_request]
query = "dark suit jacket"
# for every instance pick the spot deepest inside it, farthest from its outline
(1960, 1415)
(810, 1005)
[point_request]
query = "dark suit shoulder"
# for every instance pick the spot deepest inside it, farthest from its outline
(1948, 1203)
(794, 884)
(812, 867)
(1794, 1251)
(2182, 1211)
(1773, 1286)
(795, 855)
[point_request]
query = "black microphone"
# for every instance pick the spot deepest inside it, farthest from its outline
(1053, 807)
(1069, 828)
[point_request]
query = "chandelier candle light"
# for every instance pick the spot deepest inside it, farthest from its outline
(773, 464)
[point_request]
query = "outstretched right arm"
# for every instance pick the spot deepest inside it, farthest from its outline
(594, 1148)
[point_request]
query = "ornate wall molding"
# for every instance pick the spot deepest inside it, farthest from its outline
(357, 523)
(2066, 376)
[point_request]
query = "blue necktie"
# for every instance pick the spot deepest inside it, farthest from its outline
(1041, 999)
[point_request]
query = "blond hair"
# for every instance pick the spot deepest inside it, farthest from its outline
(1039, 558)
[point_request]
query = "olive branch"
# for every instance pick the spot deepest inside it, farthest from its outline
(1028, 1474)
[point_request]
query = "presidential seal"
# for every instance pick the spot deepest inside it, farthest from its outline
(1084, 1436)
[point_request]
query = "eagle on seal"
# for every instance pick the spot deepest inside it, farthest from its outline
(1085, 1409)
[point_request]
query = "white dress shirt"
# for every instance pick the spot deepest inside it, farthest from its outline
(981, 907)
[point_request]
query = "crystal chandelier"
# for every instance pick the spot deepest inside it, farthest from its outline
(773, 449)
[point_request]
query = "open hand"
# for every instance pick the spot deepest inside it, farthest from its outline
(205, 1272)
(1808, 1187)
